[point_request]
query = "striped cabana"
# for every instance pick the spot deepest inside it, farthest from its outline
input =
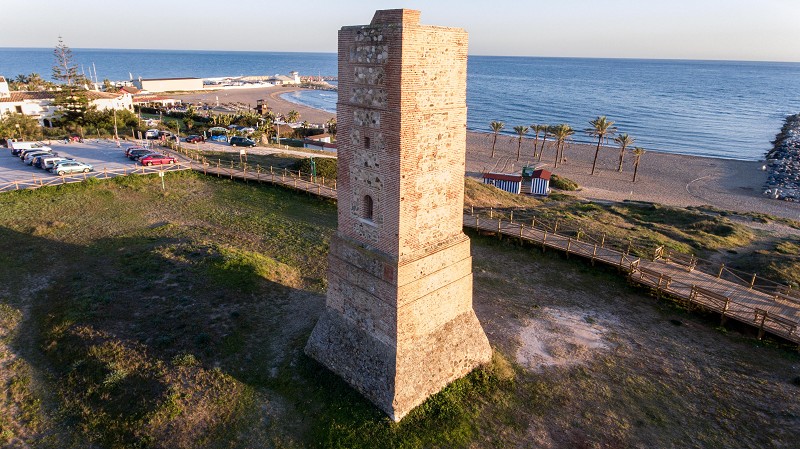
(509, 183)
(540, 182)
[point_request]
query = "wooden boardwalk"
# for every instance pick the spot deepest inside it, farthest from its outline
(770, 308)
(774, 309)
(777, 311)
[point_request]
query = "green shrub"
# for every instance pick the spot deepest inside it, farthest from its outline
(561, 183)
(326, 167)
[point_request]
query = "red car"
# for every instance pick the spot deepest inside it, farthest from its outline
(195, 138)
(157, 159)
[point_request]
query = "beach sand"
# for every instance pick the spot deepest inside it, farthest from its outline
(664, 178)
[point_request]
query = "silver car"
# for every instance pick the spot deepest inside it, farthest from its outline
(67, 167)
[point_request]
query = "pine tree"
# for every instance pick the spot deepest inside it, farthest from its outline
(63, 69)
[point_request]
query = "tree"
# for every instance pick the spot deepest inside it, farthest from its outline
(74, 104)
(624, 141)
(521, 131)
(638, 152)
(32, 82)
(109, 87)
(546, 129)
(63, 68)
(496, 128)
(18, 126)
(293, 116)
(561, 133)
(601, 127)
(536, 130)
(331, 124)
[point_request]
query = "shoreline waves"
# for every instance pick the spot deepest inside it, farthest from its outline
(664, 178)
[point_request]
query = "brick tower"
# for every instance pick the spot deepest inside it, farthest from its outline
(398, 322)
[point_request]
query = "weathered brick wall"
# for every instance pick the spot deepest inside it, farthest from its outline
(399, 323)
(403, 105)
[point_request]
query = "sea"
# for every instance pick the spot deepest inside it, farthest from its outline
(722, 109)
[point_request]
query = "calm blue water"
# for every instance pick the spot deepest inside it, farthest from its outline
(720, 109)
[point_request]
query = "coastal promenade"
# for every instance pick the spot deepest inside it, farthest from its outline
(664, 178)
(767, 306)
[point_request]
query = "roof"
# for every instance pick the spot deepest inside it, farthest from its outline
(318, 136)
(96, 95)
(129, 89)
(502, 177)
(18, 96)
(541, 174)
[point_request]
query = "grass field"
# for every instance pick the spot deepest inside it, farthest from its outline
(136, 317)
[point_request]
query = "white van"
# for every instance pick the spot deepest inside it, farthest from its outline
(151, 134)
(16, 147)
(50, 162)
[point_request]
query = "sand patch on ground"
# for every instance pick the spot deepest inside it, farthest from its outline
(561, 337)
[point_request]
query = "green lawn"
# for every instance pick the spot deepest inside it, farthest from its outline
(136, 317)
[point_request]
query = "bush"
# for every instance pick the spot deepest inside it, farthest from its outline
(326, 167)
(563, 183)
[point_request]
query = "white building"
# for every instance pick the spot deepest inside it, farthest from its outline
(39, 104)
(169, 84)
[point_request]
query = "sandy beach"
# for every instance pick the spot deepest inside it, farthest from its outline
(664, 178)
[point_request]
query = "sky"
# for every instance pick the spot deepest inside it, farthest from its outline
(755, 30)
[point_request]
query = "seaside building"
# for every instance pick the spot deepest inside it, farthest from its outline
(398, 323)
(506, 182)
(168, 84)
(39, 104)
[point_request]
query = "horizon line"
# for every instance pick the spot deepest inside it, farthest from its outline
(631, 58)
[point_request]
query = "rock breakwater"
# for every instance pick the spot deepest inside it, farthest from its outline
(783, 163)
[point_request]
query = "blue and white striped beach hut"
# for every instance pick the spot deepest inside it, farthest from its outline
(509, 183)
(540, 182)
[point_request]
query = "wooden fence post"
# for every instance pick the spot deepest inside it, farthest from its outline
(753, 281)
(603, 241)
(721, 267)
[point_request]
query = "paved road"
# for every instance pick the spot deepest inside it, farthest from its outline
(100, 154)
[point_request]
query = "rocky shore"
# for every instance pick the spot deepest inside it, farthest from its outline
(783, 163)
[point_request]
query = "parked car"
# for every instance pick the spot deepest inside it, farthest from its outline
(156, 159)
(131, 148)
(194, 138)
(164, 134)
(25, 152)
(38, 160)
(50, 162)
(137, 153)
(151, 134)
(32, 154)
(67, 167)
(242, 142)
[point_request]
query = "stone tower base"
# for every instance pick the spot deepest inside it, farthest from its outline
(399, 342)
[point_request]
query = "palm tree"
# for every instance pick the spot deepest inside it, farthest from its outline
(293, 116)
(521, 131)
(601, 127)
(561, 133)
(624, 141)
(546, 129)
(638, 152)
(496, 128)
(536, 128)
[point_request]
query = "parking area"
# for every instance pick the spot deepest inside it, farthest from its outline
(101, 154)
